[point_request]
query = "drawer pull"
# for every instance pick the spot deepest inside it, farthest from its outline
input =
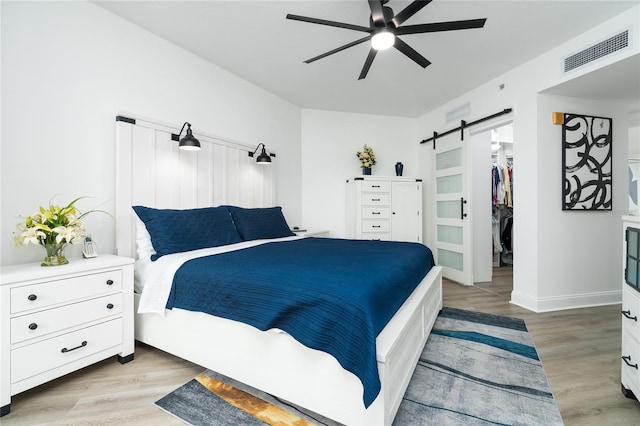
(33, 326)
(375, 186)
(375, 199)
(109, 282)
(32, 297)
(627, 360)
(110, 306)
(375, 226)
(627, 314)
(375, 212)
(82, 345)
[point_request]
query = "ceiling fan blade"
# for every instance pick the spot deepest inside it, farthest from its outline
(377, 15)
(329, 23)
(411, 53)
(367, 63)
(409, 11)
(441, 26)
(336, 50)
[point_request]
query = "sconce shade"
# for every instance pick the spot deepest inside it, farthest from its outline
(263, 158)
(189, 142)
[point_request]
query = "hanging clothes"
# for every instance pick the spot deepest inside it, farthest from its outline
(495, 231)
(506, 172)
(502, 217)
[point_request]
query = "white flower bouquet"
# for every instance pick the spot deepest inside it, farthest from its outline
(366, 156)
(53, 228)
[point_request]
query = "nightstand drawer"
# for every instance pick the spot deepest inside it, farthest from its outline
(36, 296)
(375, 199)
(372, 186)
(34, 359)
(375, 212)
(375, 226)
(44, 322)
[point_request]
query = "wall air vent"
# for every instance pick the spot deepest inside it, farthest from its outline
(597, 51)
(458, 113)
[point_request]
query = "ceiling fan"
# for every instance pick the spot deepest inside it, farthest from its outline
(384, 29)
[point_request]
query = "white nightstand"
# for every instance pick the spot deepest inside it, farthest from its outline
(311, 232)
(55, 320)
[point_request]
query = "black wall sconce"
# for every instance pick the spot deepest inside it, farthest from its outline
(263, 158)
(188, 143)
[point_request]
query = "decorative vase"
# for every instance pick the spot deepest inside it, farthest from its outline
(366, 170)
(55, 254)
(399, 167)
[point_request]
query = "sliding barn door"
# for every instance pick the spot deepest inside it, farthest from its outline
(453, 248)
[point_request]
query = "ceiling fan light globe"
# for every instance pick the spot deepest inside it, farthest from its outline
(383, 39)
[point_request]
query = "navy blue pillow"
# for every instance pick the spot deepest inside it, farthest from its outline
(256, 224)
(176, 231)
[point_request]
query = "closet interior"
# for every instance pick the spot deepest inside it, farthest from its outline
(502, 195)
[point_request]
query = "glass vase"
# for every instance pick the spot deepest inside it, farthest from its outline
(55, 254)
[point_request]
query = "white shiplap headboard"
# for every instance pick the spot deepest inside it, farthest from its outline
(152, 171)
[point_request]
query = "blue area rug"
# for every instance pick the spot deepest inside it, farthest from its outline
(476, 369)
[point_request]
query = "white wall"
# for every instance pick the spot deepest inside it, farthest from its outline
(634, 142)
(68, 68)
(548, 275)
(330, 141)
(579, 251)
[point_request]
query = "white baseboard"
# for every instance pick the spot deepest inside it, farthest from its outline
(574, 301)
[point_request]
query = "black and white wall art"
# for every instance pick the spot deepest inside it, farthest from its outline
(586, 162)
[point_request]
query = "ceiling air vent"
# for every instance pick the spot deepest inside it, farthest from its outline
(597, 51)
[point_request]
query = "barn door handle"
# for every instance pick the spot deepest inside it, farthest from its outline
(462, 213)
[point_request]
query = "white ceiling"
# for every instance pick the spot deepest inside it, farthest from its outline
(253, 40)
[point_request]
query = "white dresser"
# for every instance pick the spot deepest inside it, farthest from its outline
(384, 208)
(630, 376)
(55, 320)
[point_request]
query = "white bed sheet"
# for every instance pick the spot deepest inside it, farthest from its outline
(153, 279)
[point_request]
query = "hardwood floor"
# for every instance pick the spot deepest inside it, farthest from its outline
(580, 350)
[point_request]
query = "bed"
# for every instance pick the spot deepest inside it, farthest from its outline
(271, 360)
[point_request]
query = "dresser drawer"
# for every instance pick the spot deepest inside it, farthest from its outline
(66, 290)
(631, 312)
(630, 365)
(375, 226)
(375, 199)
(368, 186)
(375, 212)
(44, 322)
(379, 236)
(34, 359)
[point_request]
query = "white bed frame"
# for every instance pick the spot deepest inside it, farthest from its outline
(271, 361)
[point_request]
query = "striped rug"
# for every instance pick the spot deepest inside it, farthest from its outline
(476, 369)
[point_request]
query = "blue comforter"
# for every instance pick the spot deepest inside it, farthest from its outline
(333, 295)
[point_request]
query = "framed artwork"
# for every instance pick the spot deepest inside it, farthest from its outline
(586, 162)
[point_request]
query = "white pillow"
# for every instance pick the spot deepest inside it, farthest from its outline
(143, 240)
